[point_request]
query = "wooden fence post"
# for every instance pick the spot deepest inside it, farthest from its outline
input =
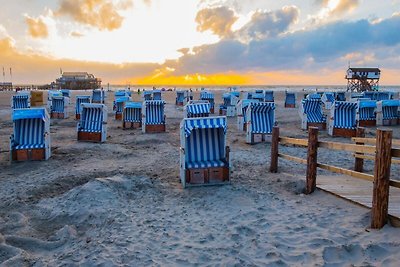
(380, 197)
(312, 152)
(359, 163)
(274, 149)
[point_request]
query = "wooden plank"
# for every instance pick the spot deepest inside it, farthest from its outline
(394, 183)
(293, 141)
(396, 152)
(347, 147)
(372, 141)
(359, 156)
(292, 158)
(354, 174)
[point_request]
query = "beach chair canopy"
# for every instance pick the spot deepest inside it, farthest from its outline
(258, 96)
(366, 110)
(370, 94)
(383, 96)
(154, 112)
(119, 103)
(157, 95)
(198, 110)
(20, 101)
(92, 118)
(205, 95)
(290, 98)
(328, 97)
(53, 93)
(29, 128)
(79, 100)
(121, 93)
(205, 142)
(261, 116)
(146, 95)
(66, 92)
(313, 109)
(340, 96)
(390, 109)
(314, 96)
(133, 112)
(244, 104)
(98, 95)
(345, 115)
(235, 93)
(269, 96)
(58, 104)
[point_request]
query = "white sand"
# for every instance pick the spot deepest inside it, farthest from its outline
(121, 203)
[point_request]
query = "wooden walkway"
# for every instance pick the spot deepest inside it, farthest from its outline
(360, 192)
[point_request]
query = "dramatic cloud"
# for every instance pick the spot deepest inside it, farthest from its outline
(101, 14)
(308, 50)
(338, 7)
(36, 27)
(264, 24)
(219, 20)
(26, 70)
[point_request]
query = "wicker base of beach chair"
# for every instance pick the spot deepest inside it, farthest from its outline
(319, 125)
(56, 115)
(344, 132)
(131, 125)
(366, 123)
(207, 176)
(118, 116)
(78, 116)
(29, 154)
(290, 105)
(155, 128)
(89, 137)
(390, 122)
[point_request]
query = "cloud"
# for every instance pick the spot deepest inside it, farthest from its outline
(101, 14)
(37, 28)
(76, 34)
(337, 7)
(31, 68)
(264, 24)
(219, 20)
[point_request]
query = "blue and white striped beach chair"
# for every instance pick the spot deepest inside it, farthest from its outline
(258, 95)
(153, 120)
(328, 98)
(31, 136)
(59, 107)
(205, 95)
(20, 101)
(314, 96)
(372, 95)
(366, 113)
(230, 101)
(180, 98)
(92, 125)
(340, 96)
(269, 96)
(383, 96)
(311, 114)
(146, 95)
(387, 112)
(98, 96)
(290, 100)
(260, 119)
(78, 108)
(122, 93)
(132, 116)
(118, 106)
(204, 156)
(157, 95)
(196, 109)
(241, 112)
(342, 120)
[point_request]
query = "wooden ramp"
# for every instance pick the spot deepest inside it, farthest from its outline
(360, 192)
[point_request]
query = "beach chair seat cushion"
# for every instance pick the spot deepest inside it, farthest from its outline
(206, 164)
(31, 146)
(90, 130)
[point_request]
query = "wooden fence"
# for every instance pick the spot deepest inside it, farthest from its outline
(380, 150)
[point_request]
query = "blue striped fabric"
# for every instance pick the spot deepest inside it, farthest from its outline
(91, 119)
(57, 104)
(98, 96)
(227, 100)
(147, 95)
(313, 109)
(245, 105)
(205, 142)
(29, 133)
(371, 95)
(366, 110)
(133, 112)
(340, 96)
(20, 101)
(383, 96)
(79, 100)
(198, 110)
(208, 96)
(269, 96)
(119, 104)
(157, 95)
(390, 109)
(345, 115)
(290, 98)
(154, 112)
(328, 97)
(66, 92)
(262, 117)
(258, 96)
(313, 96)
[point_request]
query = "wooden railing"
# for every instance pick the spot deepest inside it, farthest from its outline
(380, 150)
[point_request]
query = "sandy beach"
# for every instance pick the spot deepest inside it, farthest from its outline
(120, 203)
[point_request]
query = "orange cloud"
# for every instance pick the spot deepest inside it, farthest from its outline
(76, 34)
(36, 27)
(101, 14)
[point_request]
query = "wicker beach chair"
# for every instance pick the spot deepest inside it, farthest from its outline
(342, 120)
(59, 107)
(269, 96)
(132, 115)
(197, 108)
(92, 125)
(78, 108)
(328, 98)
(180, 98)
(387, 112)
(340, 96)
(290, 100)
(118, 106)
(366, 113)
(153, 120)
(204, 156)
(311, 114)
(205, 95)
(31, 135)
(230, 101)
(260, 119)
(157, 95)
(242, 106)
(98, 96)
(258, 96)
(20, 101)
(146, 95)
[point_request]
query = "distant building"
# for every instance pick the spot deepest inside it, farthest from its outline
(363, 79)
(6, 86)
(77, 81)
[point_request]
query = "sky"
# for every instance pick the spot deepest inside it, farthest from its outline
(199, 42)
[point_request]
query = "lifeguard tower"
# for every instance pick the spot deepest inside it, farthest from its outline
(362, 79)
